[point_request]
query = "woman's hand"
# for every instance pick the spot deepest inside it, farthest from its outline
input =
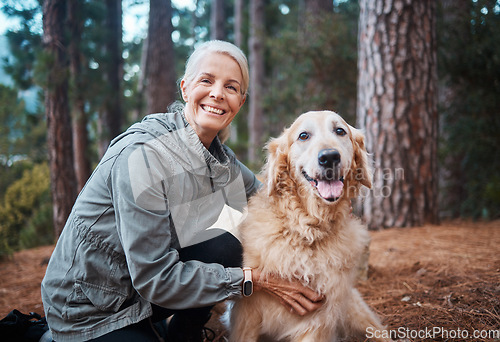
(295, 296)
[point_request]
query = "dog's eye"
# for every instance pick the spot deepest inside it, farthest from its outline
(303, 136)
(340, 131)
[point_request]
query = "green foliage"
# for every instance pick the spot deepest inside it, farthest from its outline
(22, 134)
(25, 43)
(10, 124)
(470, 67)
(26, 211)
(312, 63)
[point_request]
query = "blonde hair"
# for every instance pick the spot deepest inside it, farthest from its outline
(217, 46)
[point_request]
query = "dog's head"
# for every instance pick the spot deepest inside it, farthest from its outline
(319, 154)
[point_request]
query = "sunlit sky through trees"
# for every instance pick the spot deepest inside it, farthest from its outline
(135, 17)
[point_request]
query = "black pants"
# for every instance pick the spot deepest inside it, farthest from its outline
(224, 249)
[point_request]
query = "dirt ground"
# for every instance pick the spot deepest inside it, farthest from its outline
(431, 283)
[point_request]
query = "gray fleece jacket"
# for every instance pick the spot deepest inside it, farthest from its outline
(157, 189)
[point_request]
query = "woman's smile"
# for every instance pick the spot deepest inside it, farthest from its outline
(213, 97)
(213, 110)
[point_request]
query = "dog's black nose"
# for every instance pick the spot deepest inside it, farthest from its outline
(328, 158)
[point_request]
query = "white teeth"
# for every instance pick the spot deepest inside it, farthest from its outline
(213, 110)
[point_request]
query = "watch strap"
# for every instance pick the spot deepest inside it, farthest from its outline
(247, 282)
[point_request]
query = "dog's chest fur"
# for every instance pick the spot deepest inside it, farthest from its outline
(296, 246)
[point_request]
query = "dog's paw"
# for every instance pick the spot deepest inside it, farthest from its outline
(225, 318)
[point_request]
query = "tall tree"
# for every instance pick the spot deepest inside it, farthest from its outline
(238, 22)
(160, 61)
(60, 144)
(217, 20)
(79, 115)
(397, 106)
(256, 45)
(111, 116)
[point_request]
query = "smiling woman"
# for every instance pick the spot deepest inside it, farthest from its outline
(214, 87)
(214, 97)
(156, 213)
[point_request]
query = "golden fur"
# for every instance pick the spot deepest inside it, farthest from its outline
(293, 232)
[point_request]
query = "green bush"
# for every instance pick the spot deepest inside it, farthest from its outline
(26, 212)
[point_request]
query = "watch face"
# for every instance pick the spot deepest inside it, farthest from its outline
(247, 288)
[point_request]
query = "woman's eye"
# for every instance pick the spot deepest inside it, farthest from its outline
(205, 80)
(304, 136)
(232, 88)
(340, 131)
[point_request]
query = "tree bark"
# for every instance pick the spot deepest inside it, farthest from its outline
(397, 107)
(138, 111)
(217, 20)
(112, 115)
(256, 61)
(238, 22)
(79, 116)
(59, 137)
(160, 64)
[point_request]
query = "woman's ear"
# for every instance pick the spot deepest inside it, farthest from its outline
(243, 99)
(184, 90)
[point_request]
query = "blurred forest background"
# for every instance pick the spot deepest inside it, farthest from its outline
(77, 73)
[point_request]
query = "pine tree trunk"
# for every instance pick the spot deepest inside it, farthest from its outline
(79, 116)
(138, 110)
(397, 107)
(59, 137)
(112, 114)
(238, 22)
(256, 60)
(160, 65)
(217, 20)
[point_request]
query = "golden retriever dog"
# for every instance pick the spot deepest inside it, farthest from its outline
(299, 226)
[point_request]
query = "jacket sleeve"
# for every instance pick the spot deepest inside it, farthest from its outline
(138, 184)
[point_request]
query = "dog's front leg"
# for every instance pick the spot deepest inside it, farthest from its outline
(316, 336)
(246, 322)
(361, 319)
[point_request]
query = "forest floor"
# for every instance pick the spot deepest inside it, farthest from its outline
(430, 283)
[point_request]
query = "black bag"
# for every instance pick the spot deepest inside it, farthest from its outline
(19, 327)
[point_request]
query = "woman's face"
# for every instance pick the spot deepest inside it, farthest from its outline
(213, 98)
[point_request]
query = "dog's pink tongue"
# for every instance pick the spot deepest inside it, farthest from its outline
(330, 189)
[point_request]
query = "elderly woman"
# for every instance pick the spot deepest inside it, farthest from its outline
(142, 242)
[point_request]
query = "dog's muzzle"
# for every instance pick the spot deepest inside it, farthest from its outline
(329, 184)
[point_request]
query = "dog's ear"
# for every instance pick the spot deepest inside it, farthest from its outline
(362, 166)
(277, 162)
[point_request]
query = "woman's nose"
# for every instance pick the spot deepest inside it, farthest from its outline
(217, 92)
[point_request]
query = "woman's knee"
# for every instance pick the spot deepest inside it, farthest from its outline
(224, 249)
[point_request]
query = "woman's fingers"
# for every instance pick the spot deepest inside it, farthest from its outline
(310, 294)
(301, 304)
(298, 298)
